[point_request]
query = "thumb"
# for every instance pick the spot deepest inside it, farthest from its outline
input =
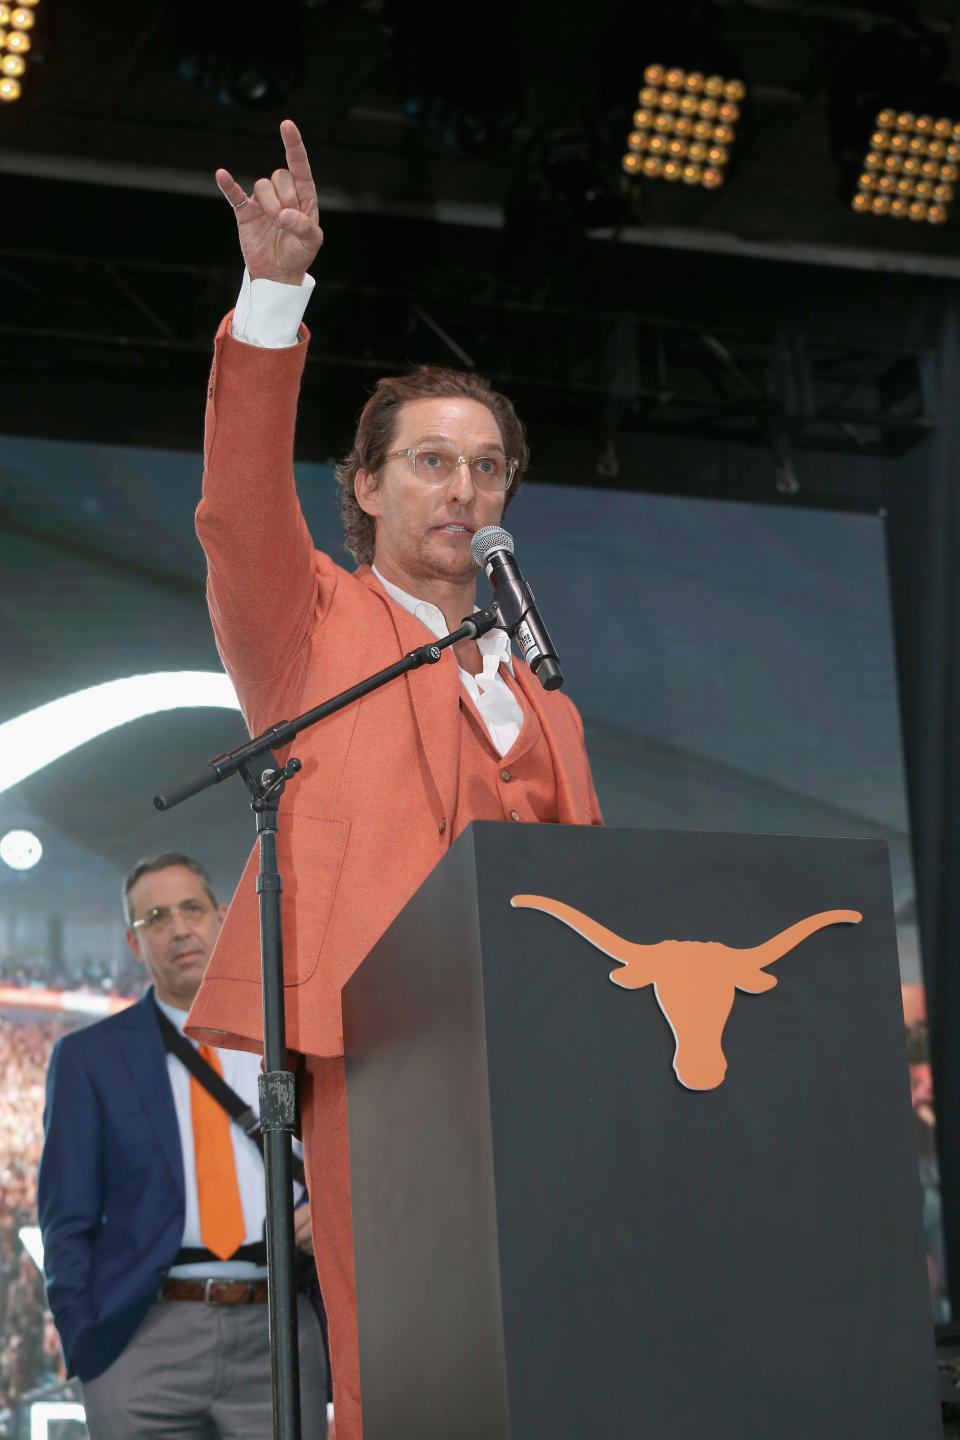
(300, 225)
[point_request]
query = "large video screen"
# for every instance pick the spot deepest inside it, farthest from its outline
(733, 664)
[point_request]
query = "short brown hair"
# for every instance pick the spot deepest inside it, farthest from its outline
(377, 425)
(164, 861)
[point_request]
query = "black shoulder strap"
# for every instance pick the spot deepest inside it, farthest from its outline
(227, 1098)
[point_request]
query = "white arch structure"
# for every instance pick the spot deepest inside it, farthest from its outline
(37, 738)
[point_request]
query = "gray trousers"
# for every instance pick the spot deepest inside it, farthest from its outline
(202, 1372)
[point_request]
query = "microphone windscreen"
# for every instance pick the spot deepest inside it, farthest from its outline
(486, 541)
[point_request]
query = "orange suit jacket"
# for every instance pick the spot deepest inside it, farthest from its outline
(373, 809)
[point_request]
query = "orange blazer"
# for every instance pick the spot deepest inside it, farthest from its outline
(371, 812)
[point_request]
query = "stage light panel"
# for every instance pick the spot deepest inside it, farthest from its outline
(684, 126)
(16, 21)
(910, 165)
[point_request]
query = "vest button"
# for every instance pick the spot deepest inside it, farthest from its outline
(443, 825)
(505, 775)
(514, 815)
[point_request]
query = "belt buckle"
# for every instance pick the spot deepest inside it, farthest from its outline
(212, 1280)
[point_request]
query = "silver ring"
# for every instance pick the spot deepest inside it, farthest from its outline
(240, 203)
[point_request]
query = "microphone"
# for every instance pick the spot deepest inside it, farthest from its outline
(513, 600)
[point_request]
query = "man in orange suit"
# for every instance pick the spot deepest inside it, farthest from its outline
(389, 783)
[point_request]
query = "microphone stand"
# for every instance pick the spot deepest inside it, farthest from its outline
(266, 781)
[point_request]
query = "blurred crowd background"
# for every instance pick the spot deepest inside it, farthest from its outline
(31, 1363)
(30, 1356)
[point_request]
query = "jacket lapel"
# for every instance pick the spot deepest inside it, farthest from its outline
(559, 728)
(433, 695)
(142, 1050)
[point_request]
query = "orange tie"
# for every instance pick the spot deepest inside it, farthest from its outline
(222, 1225)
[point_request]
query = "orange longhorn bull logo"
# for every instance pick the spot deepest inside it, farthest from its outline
(695, 981)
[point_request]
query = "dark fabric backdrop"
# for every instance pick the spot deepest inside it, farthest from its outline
(924, 548)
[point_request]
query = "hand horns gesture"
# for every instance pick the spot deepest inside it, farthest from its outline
(277, 224)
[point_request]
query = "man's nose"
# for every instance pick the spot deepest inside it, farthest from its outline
(183, 922)
(461, 484)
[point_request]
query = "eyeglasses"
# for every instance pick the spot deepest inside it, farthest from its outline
(436, 466)
(161, 917)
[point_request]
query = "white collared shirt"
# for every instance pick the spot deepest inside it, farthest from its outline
(491, 694)
(240, 1071)
(269, 314)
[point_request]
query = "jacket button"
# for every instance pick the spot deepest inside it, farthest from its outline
(514, 815)
(443, 825)
(505, 775)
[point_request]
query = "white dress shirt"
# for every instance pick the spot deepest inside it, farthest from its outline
(498, 706)
(269, 313)
(240, 1071)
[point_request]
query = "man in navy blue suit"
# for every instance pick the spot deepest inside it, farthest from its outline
(153, 1237)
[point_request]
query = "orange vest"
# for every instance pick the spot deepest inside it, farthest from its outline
(520, 785)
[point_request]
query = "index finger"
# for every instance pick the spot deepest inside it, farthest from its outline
(299, 165)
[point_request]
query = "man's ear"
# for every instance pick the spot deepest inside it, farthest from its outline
(133, 940)
(366, 487)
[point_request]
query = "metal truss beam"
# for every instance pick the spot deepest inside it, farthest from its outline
(610, 371)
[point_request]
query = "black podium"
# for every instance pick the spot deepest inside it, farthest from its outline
(555, 1238)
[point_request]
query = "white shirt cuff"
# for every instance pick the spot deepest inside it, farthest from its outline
(269, 313)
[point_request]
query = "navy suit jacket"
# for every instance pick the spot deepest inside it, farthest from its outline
(111, 1188)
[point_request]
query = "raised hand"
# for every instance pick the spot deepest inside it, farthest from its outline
(277, 225)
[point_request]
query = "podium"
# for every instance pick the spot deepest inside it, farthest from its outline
(559, 1235)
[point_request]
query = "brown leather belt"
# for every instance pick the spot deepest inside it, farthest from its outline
(217, 1292)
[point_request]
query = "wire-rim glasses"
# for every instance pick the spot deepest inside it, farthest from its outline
(161, 917)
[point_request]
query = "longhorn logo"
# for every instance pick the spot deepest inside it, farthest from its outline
(695, 981)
